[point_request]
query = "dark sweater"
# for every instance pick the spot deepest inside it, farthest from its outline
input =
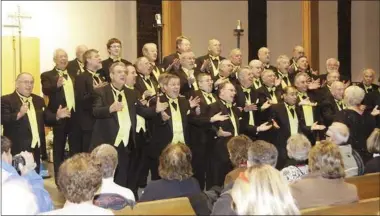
(166, 189)
(373, 165)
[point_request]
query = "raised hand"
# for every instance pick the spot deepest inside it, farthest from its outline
(161, 106)
(116, 107)
(316, 126)
(164, 116)
(218, 117)
(194, 101)
(222, 133)
(205, 65)
(375, 111)
(63, 113)
(23, 109)
(147, 93)
(277, 82)
(275, 124)
(250, 107)
(264, 127)
(314, 84)
(266, 105)
(60, 81)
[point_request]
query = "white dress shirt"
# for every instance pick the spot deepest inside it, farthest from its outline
(109, 186)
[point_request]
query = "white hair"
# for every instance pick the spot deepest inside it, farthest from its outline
(353, 95)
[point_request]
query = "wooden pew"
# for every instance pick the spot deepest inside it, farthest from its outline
(175, 206)
(368, 185)
(363, 207)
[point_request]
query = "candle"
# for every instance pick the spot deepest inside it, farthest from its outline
(238, 25)
(158, 19)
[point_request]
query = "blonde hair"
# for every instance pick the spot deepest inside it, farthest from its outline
(326, 159)
(261, 190)
(353, 95)
(373, 141)
(298, 147)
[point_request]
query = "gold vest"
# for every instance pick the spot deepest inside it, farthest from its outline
(206, 96)
(140, 121)
(248, 102)
(68, 88)
(176, 119)
(307, 113)
(293, 122)
(123, 119)
(231, 114)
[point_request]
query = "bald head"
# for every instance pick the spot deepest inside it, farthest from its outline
(214, 47)
(298, 51)
(225, 67)
(264, 55)
(149, 51)
(368, 76)
(337, 90)
(236, 57)
(79, 52)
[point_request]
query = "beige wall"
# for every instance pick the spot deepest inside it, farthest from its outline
(284, 27)
(328, 32)
(365, 37)
(203, 20)
(66, 24)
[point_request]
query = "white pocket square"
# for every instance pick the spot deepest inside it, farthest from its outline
(188, 112)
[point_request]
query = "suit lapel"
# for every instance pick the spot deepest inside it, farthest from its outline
(18, 103)
(168, 111)
(284, 114)
(131, 104)
(110, 100)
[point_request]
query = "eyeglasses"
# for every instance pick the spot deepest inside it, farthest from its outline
(26, 82)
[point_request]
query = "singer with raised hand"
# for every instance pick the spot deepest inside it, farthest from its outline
(23, 116)
(171, 63)
(115, 108)
(58, 85)
(85, 84)
(209, 63)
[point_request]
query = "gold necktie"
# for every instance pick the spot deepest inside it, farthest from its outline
(32, 120)
(68, 88)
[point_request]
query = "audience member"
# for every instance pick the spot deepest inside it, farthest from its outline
(261, 190)
(325, 184)
(298, 147)
(373, 145)
(28, 174)
(339, 133)
(237, 149)
(176, 173)
(106, 156)
(79, 177)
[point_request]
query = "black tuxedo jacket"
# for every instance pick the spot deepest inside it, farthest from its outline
(140, 84)
(157, 68)
(185, 89)
(84, 96)
(162, 134)
(199, 61)
(220, 147)
(370, 96)
(263, 95)
(202, 120)
(328, 109)
(73, 67)
(240, 99)
(49, 88)
(311, 135)
(105, 70)
(106, 124)
(168, 60)
(19, 131)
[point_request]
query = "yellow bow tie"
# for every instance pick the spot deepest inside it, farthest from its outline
(116, 59)
(61, 72)
(214, 58)
(248, 90)
(302, 94)
(227, 104)
(291, 106)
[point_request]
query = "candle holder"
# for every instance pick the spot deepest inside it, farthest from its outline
(158, 26)
(238, 32)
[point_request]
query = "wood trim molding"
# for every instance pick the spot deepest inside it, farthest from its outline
(172, 20)
(310, 32)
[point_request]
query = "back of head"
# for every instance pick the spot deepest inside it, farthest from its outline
(353, 95)
(261, 190)
(262, 152)
(18, 198)
(338, 132)
(175, 162)
(373, 141)
(79, 177)
(106, 156)
(237, 148)
(298, 147)
(325, 159)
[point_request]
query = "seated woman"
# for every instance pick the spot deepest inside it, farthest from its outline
(176, 173)
(79, 177)
(373, 145)
(325, 184)
(261, 190)
(106, 156)
(339, 133)
(298, 147)
(237, 149)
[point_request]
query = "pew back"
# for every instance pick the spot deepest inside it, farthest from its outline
(175, 206)
(363, 207)
(368, 185)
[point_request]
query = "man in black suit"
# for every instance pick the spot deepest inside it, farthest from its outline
(149, 51)
(332, 64)
(187, 74)
(297, 52)
(23, 116)
(146, 84)
(324, 91)
(201, 136)
(283, 64)
(307, 106)
(58, 85)
(236, 58)
(246, 100)
(115, 108)
(225, 70)
(332, 103)
(264, 56)
(256, 67)
(289, 122)
(371, 90)
(114, 51)
(171, 126)
(210, 63)
(302, 65)
(76, 66)
(171, 62)
(85, 84)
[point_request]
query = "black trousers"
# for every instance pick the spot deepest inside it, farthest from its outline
(153, 166)
(142, 163)
(68, 128)
(82, 144)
